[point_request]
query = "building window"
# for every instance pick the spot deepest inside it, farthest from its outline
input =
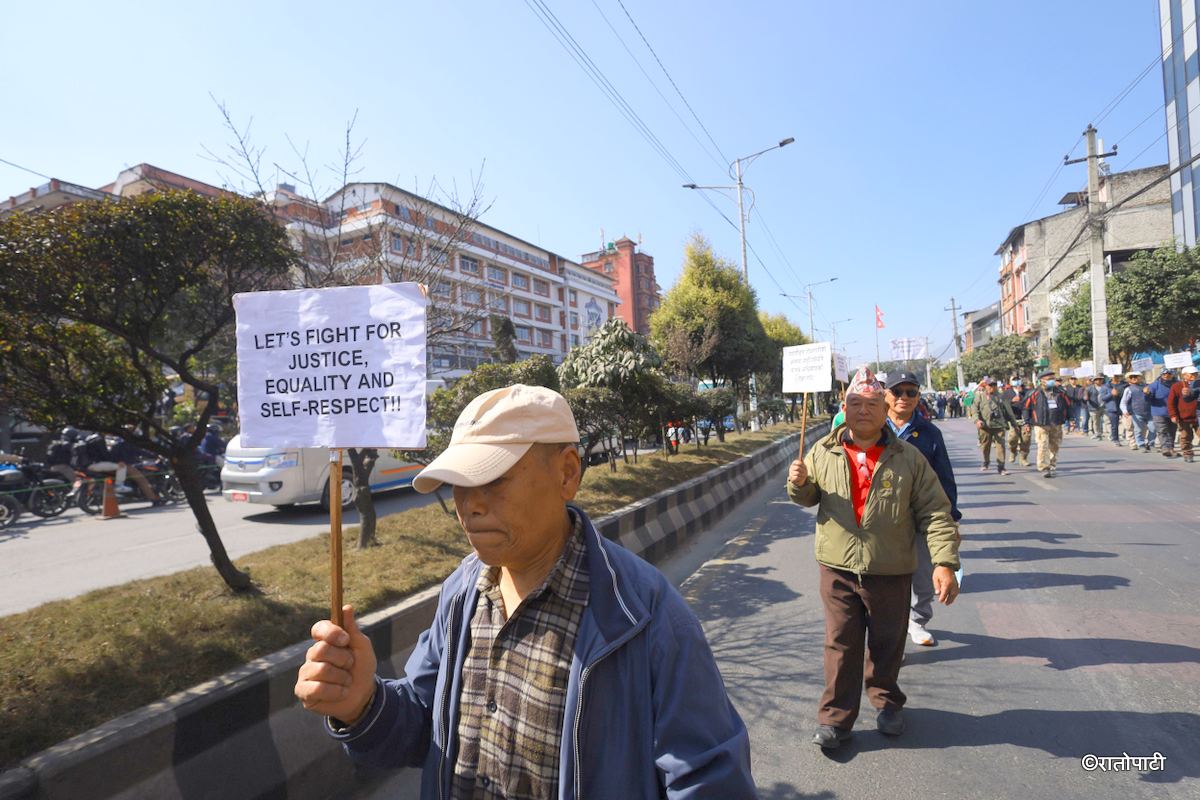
(574, 295)
(608, 268)
(1024, 282)
(442, 289)
(574, 319)
(478, 329)
(497, 275)
(499, 304)
(524, 332)
(468, 265)
(520, 281)
(541, 287)
(471, 297)
(545, 339)
(520, 307)
(438, 257)
(574, 340)
(543, 313)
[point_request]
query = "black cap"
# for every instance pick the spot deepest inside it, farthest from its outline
(897, 378)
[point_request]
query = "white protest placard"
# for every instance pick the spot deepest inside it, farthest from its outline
(1086, 369)
(1112, 370)
(1066, 372)
(1142, 364)
(337, 367)
(1177, 360)
(806, 368)
(841, 367)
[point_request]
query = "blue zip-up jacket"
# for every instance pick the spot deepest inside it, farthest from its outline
(647, 715)
(1112, 402)
(1159, 392)
(925, 436)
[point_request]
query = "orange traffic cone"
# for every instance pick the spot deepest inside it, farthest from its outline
(111, 510)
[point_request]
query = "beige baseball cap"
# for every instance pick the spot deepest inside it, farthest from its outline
(494, 431)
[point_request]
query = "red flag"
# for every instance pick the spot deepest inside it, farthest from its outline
(878, 317)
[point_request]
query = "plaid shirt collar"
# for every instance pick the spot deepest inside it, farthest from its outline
(568, 578)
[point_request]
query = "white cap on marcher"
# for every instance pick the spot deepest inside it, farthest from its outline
(494, 431)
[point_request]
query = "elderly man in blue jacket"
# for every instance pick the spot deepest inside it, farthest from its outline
(903, 393)
(558, 664)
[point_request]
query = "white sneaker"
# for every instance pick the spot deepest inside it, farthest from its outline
(917, 632)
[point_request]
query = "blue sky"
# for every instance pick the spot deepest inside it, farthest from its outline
(924, 131)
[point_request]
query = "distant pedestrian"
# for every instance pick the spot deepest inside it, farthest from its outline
(911, 427)
(993, 416)
(1135, 405)
(1018, 438)
(1046, 411)
(1182, 407)
(1095, 406)
(876, 496)
(1160, 417)
(1114, 389)
(941, 405)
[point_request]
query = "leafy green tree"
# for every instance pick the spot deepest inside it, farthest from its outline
(104, 299)
(1001, 357)
(945, 377)
(448, 402)
(711, 292)
(716, 405)
(780, 333)
(504, 339)
(1073, 341)
(1152, 302)
(619, 359)
(597, 411)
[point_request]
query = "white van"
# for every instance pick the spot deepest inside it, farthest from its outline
(284, 477)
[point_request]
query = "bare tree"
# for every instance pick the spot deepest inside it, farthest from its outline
(349, 234)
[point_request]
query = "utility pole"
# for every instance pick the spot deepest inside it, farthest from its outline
(953, 309)
(928, 366)
(746, 277)
(1096, 211)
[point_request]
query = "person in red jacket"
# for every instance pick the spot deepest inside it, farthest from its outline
(1181, 406)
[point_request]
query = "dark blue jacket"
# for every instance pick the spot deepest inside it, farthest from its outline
(1112, 403)
(1159, 392)
(647, 715)
(925, 436)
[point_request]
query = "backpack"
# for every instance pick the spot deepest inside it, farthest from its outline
(79, 456)
(96, 448)
(58, 453)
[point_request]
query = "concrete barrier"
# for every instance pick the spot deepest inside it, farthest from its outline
(242, 735)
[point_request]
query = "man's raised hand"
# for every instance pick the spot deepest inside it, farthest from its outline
(797, 473)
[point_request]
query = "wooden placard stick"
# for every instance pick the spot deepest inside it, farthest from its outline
(803, 425)
(335, 536)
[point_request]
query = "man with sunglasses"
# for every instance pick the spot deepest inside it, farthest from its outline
(902, 397)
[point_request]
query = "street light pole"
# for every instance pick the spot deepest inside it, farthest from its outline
(736, 166)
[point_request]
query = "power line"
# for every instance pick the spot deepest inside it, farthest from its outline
(581, 58)
(650, 80)
(25, 169)
(672, 80)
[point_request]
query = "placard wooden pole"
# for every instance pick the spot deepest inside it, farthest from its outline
(803, 425)
(335, 536)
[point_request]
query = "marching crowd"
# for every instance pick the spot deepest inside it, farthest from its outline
(1121, 409)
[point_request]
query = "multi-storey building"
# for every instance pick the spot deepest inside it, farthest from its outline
(980, 326)
(368, 232)
(633, 272)
(376, 231)
(1043, 262)
(1181, 81)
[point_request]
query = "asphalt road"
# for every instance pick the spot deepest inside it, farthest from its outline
(1077, 633)
(52, 559)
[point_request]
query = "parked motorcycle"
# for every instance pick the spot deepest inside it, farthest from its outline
(31, 486)
(161, 479)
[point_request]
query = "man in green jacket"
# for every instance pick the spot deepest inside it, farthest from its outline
(875, 494)
(993, 415)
